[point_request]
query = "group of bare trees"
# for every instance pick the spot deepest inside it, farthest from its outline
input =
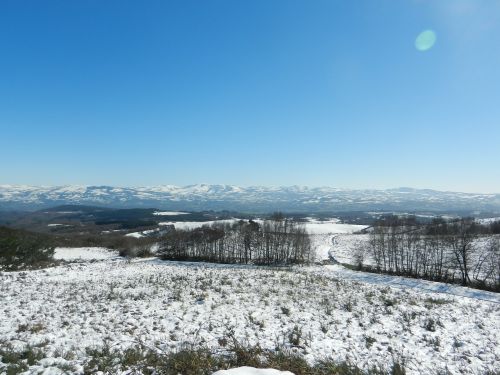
(444, 251)
(279, 240)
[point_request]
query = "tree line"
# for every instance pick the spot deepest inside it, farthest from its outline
(450, 251)
(279, 240)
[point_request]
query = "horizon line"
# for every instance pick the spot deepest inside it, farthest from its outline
(308, 187)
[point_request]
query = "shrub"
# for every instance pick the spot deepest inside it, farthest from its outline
(187, 360)
(204, 362)
(24, 250)
(17, 361)
(138, 251)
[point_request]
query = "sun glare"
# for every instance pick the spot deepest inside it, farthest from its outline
(425, 40)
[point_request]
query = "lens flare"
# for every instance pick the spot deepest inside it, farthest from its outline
(425, 40)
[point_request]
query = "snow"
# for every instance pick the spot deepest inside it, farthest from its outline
(84, 253)
(313, 226)
(203, 196)
(324, 234)
(251, 371)
(145, 233)
(188, 225)
(430, 327)
(170, 213)
(344, 248)
(135, 235)
(409, 283)
(322, 245)
(331, 226)
(488, 220)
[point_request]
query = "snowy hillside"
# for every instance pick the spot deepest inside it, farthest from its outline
(317, 312)
(255, 198)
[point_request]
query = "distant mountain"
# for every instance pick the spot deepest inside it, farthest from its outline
(251, 199)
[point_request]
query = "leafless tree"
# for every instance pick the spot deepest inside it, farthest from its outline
(461, 241)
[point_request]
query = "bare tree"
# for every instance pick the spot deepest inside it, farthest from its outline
(487, 265)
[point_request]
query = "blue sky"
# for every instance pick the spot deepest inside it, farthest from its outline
(267, 92)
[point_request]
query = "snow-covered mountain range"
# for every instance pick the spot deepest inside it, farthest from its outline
(254, 198)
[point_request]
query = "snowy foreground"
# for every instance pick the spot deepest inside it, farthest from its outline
(317, 311)
(251, 371)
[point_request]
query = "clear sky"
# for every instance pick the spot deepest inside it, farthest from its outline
(261, 92)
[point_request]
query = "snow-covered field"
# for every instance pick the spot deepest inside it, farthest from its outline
(323, 236)
(84, 253)
(345, 247)
(332, 226)
(187, 225)
(317, 311)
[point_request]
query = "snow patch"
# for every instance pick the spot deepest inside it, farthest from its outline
(84, 253)
(188, 225)
(331, 227)
(170, 213)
